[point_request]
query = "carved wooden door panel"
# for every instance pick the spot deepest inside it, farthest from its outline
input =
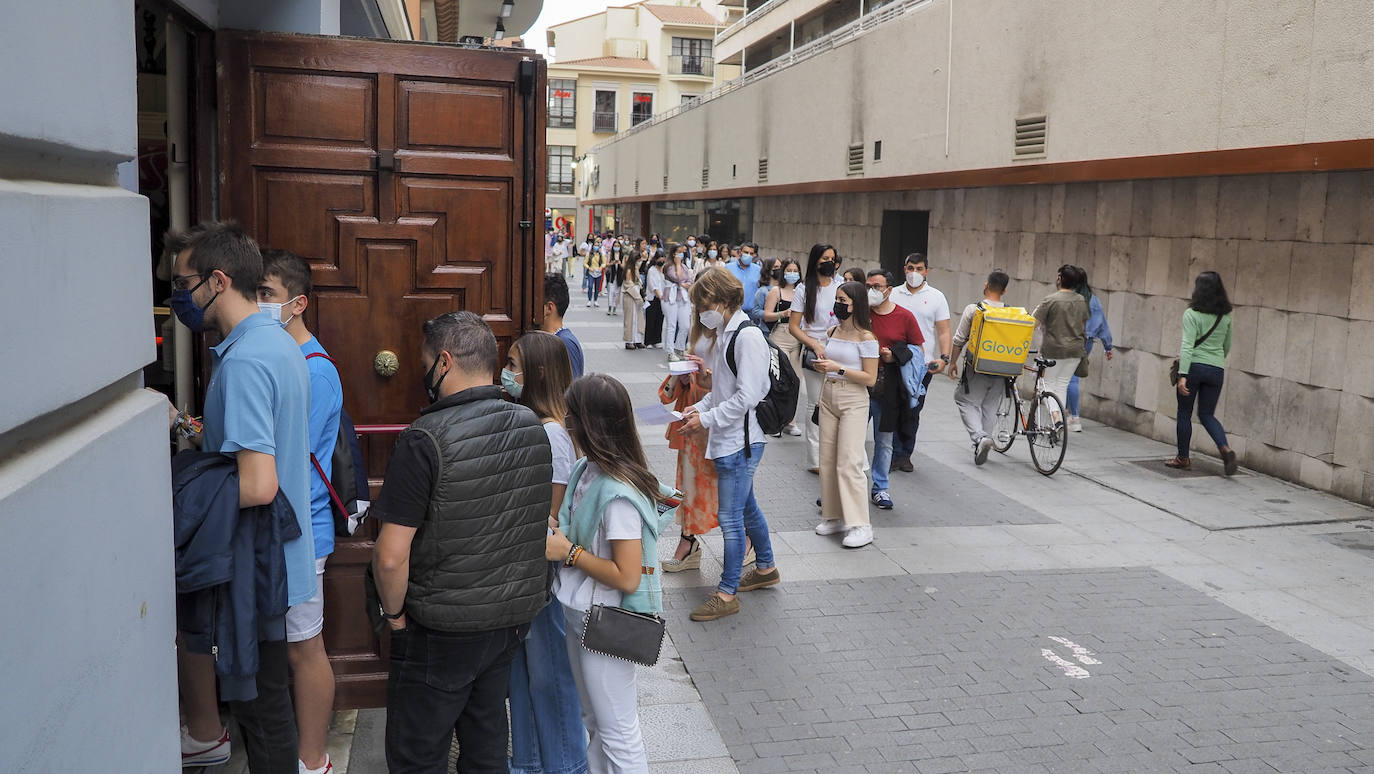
(407, 174)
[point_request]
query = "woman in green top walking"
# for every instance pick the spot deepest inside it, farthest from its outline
(1201, 367)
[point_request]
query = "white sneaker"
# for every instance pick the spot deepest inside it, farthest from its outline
(981, 449)
(197, 753)
(589, 305)
(792, 430)
(830, 527)
(1075, 425)
(858, 537)
(328, 767)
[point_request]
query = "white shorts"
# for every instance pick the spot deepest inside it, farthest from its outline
(306, 620)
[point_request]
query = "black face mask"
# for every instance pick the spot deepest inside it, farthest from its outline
(431, 387)
(826, 269)
(842, 312)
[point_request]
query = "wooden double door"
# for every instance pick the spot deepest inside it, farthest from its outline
(409, 175)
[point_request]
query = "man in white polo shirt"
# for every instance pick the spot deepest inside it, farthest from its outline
(932, 315)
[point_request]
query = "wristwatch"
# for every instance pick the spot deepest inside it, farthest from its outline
(390, 616)
(840, 372)
(944, 358)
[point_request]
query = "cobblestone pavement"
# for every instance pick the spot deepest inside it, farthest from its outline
(1114, 617)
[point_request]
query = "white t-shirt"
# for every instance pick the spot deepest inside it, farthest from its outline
(825, 309)
(929, 306)
(849, 354)
(620, 521)
(563, 454)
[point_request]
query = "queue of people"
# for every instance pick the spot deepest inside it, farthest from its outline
(516, 513)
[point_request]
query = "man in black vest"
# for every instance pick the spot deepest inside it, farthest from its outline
(459, 562)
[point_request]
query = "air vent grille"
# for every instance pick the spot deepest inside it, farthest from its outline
(636, 188)
(705, 177)
(665, 182)
(763, 170)
(855, 159)
(1030, 137)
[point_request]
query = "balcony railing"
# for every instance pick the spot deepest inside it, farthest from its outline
(603, 122)
(691, 64)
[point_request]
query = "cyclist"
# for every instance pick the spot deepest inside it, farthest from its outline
(978, 395)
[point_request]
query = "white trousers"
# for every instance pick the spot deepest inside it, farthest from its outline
(1057, 378)
(812, 380)
(677, 324)
(610, 706)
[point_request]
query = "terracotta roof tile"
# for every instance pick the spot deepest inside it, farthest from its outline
(607, 61)
(679, 14)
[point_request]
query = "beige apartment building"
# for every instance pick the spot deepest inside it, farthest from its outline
(1144, 141)
(617, 69)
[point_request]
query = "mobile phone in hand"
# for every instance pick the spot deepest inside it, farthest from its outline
(931, 366)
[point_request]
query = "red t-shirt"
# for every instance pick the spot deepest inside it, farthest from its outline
(897, 327)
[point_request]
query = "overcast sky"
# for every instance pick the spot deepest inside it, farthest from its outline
(559, 11)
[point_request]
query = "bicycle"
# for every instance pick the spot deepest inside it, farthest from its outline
(1048, 438)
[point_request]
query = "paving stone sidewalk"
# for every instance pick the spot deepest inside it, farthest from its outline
(1233, 619)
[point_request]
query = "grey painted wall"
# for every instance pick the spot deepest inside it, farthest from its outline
(1296, 252)
(84, 498)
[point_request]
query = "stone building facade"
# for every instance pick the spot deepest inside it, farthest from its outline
(1295, 250)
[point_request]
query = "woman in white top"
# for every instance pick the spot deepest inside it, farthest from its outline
(677, 304)
(850, 367)
(545, 712)
(813, 304)
(606, 542)
(653, 296)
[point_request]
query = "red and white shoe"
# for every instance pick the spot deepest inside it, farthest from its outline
(327, 769)
(197, 753)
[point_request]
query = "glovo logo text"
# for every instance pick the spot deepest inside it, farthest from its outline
(990, 347)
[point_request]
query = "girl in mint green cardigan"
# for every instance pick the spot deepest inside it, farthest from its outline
(1202, 368)
(606, 539)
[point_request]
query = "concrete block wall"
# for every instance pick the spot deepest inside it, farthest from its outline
(1296, 252)
(89, 670)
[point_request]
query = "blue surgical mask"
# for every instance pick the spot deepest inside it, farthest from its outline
(791, 277)
(513, 388)
(745, 259)
(712, 254)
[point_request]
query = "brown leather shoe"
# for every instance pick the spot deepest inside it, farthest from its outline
(714, 607)
(1229, 463)
(1179, 463)
(758, 580)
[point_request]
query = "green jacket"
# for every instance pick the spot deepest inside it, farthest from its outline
(1211, 352)
(581, 525)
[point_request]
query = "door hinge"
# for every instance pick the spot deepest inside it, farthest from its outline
(526, 76)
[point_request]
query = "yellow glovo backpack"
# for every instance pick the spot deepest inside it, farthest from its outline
(1000, 339)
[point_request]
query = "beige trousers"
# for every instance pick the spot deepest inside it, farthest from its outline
(844, 424)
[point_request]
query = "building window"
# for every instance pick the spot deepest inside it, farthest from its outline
(562, 103)
(691, 56)
(689, 98)
(641, 108)
(560, 169)
(603, 113)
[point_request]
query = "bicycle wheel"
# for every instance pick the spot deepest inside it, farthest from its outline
(1048, 438)
(1005, 434)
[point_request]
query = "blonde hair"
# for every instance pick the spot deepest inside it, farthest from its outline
(717, 286)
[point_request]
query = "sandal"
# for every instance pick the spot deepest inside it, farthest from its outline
(1179, 463)
(691, 561)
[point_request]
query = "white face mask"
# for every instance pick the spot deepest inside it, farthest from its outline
(691, 243)
(711, 318)
(915, 279)
(875, 297)
(275, 310)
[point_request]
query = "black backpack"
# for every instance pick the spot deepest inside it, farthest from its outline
(347, 478)
(779, 406)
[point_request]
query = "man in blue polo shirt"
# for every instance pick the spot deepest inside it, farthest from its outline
(256, 409)
(747, 272)
(284, 293)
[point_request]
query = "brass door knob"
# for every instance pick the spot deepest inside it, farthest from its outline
(386, 363)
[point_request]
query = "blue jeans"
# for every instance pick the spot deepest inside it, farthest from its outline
(1204, 388)
(882, 447)
(1071, 395)
(740, 515)
(545, 714)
